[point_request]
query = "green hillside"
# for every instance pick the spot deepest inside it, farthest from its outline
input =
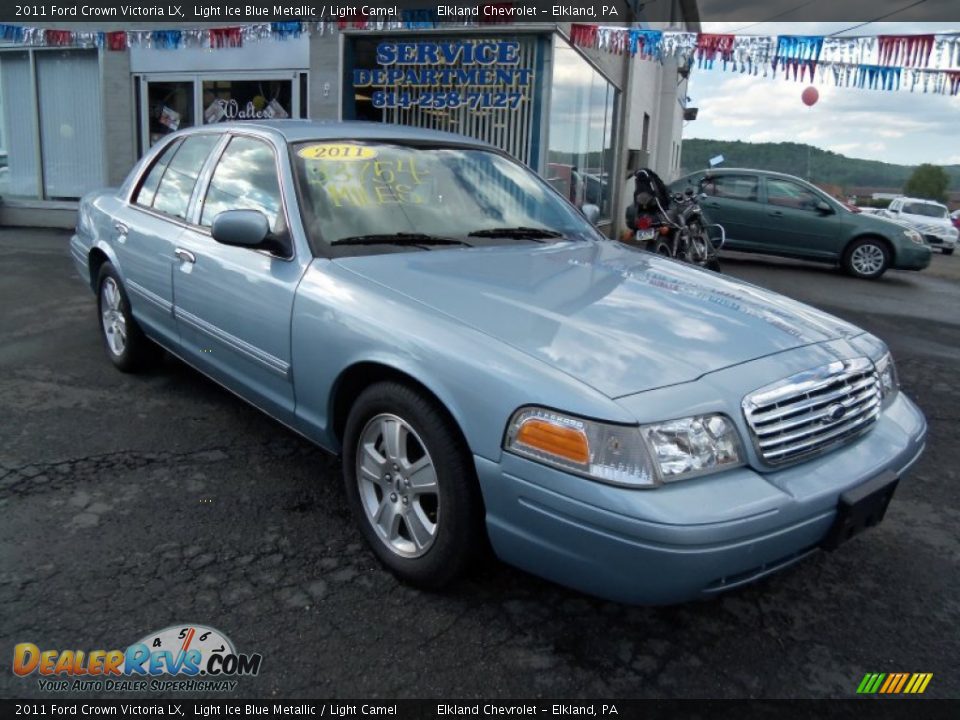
(825, 166)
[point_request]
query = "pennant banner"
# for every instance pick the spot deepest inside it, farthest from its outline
(928, 63)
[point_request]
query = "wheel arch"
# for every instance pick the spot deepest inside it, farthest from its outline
(98, 255)
(357, 377)
(870, 236)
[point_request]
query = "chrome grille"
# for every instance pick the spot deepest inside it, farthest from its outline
(814, 410)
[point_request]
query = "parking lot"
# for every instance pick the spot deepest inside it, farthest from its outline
(132, 503)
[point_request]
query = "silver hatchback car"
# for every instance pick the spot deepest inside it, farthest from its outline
(490, 367)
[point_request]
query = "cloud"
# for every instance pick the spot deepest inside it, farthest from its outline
(863, 122)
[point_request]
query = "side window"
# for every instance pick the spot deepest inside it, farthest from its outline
(176, 185)
(148, 189)
(784, 193)
(735, 187)
(245, 179)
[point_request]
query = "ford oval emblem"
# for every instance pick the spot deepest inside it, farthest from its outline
(834, 414)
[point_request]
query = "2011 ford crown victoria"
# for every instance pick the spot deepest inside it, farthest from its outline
(487, 363)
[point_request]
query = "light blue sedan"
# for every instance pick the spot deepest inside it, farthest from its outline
(489, 366)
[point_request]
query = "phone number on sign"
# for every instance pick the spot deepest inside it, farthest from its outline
(448, 99)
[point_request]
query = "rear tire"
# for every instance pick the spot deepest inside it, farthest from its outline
(867, 258)
(127, 347)
(660, 247)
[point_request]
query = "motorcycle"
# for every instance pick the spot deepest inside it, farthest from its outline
(672, 224)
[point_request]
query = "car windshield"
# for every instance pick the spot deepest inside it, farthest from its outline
(379, 193)
(925, 209)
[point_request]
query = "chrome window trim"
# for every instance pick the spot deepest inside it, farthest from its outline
(206, 176)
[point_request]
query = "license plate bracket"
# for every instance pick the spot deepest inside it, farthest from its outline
(861, 507)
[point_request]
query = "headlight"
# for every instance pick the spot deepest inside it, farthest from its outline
(914, 236)
(889, 383)
(693, 446)
(638, 457)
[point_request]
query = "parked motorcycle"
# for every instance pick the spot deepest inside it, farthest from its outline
(671, 224)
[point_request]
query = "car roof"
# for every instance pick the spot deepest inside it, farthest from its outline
(305, 130)
(752, 171)
(921, 201)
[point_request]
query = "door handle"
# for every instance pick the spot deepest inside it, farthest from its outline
(122, 231)
(776, 213)
(185, 255)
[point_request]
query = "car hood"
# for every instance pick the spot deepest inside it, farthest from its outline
(618, 319)
(926, 223)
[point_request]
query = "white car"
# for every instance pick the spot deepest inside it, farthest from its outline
(929, 218)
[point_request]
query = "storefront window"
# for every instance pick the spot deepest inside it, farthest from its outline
(580, 154)
(170, 107)
(51, 124)
(18, 152)
(71, 129)
(225, 100)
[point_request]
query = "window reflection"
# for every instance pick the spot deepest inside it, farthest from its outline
(245, 179)
(173, 195)
(580, 151)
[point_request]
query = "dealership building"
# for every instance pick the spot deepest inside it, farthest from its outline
(75, 119)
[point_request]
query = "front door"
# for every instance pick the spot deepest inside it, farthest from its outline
(234, 304)
(795, 225)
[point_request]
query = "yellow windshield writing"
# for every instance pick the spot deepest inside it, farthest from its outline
(371, 182)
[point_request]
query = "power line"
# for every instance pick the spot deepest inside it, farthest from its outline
(899, 10)
(778, 15)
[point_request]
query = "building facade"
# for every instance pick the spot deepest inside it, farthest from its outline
(75, 119)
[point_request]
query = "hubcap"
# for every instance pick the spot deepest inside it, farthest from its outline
(114, 323)
(398, 486)
(867, 259)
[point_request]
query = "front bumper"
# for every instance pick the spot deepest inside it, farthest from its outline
(910, 256)
(940, 241)
(691, 539)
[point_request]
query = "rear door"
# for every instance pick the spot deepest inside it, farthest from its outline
(234, 304)
(148, 228)
(733, 200)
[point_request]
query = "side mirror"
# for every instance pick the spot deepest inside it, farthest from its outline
(591, 213)
(246, 228)
(824, 207)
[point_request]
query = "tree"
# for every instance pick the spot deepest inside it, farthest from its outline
(929, 182)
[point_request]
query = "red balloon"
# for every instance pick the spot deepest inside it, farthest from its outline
(810, 96)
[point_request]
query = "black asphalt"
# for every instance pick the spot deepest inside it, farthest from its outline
(131, 503)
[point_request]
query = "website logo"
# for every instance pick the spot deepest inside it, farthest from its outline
(186, 652)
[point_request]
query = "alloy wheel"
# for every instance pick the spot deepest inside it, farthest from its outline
(398, 486)
(867, 259)
(112, 317)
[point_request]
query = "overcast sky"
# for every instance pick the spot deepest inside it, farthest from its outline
(897, 127)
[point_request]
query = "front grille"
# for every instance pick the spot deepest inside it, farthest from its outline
(813, 411)
(934, 239)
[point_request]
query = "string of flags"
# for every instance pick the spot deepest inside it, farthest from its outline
(917, 63)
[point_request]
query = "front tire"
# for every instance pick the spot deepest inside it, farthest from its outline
(411, 485)
(126, 345)
(948, 251)
(867, 258)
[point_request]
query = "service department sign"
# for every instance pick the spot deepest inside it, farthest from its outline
(479, 74)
